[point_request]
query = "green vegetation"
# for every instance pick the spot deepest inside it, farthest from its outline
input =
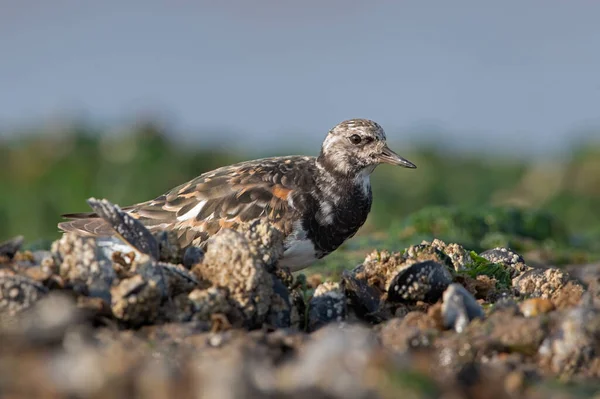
(479, 200)
(482, 266)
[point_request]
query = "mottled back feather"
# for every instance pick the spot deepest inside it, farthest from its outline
(222, 198)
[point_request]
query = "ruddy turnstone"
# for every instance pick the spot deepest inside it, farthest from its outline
(317, 202)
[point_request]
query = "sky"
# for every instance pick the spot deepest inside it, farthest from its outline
(507, 75)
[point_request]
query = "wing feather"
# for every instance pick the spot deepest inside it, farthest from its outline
(218, 199)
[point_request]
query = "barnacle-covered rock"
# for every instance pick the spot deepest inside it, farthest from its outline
(84, 266)
(549, 283)
(426, 251)
(17, 293)
(508, 258)
(327, 305)
(136, 300)
(266, 241)
(232, 262)
(40, 266)
(459, 308)
(460, 257)
(208, 302)
(423, 281)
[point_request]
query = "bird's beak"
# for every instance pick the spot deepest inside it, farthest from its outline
(388, 156)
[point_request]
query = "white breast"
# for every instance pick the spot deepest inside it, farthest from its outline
(299, 255)
(300, 251)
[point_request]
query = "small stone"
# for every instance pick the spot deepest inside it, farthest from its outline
(459, 308)
(536, 306)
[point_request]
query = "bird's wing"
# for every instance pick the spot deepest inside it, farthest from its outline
(222, 198)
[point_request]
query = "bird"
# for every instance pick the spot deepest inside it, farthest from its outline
(317, 202)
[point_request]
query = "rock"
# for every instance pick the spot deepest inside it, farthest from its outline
(363, 299)
(17, 293)
(84, 266)
(9, 248)
(192, 256)
(178, 279)
(327, 305)
(424, 281)
(282, 313)
(233, 263)
(45, 322)
(513, 333)
(460, 257)
(266, 241)
(508, 258)
(550, 283)
(589, 275)
(459, 308)
(404, 335)
(136, 301)
(536, 306)
(338, 362)
(168, 247)
(430, 252)
(208, 302)
(574, 346)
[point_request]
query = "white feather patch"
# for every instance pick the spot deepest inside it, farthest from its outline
(299, 255)
(325, 214)
(192, 213)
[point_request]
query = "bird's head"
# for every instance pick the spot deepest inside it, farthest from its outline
(356, 146)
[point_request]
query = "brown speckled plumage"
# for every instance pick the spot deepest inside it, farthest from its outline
(317, 202)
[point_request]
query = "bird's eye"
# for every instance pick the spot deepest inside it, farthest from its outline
(355, 139)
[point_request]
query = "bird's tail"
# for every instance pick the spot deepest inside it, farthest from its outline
(87, 224)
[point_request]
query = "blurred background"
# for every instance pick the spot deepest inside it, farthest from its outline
(497, 103)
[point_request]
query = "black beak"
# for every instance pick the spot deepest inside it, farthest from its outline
(388, 156)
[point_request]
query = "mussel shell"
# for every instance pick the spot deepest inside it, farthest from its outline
(423, 281)
(127, 227)
(505, 256)
(364, 299)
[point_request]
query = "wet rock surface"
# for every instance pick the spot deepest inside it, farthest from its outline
(141, 317)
